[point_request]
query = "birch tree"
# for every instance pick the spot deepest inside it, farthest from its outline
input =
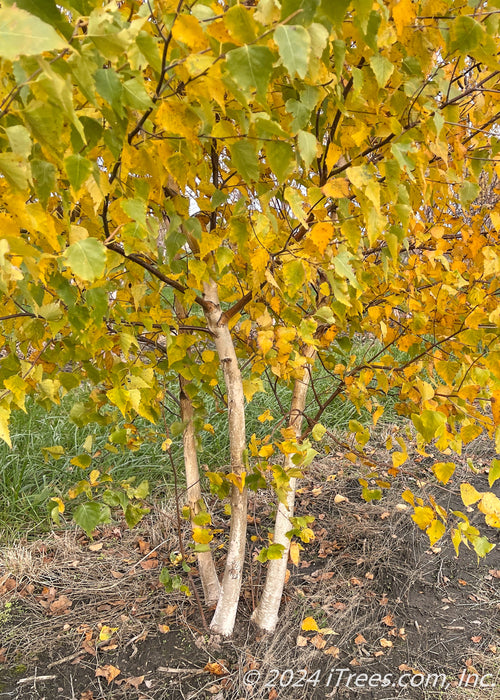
(323, 168)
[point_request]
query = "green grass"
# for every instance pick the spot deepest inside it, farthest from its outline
(29, 478)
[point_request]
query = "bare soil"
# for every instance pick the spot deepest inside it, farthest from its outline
(85, 620)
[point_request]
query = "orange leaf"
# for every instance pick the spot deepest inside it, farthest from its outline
(108, 672)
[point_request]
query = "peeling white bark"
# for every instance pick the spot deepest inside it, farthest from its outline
(266, 613)
(225, 613)
(206, 566)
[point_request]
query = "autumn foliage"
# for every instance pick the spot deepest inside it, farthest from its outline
(223, 191)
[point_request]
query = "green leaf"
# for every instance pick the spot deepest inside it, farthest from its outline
(109, 87)
(15, 170)
(78, 169)
(86, 258)
(318, 431)
(468, 193)
(294, 276)
(134, 514)
(294, 44)
(135, 94)
(22, 34)
(275, 551)
(245, 159)
(494, 472)
(307, 147)
(251, 67)
(482, 546)
(89, 515)
(19, 140)
(44, 179)
(382, 68)
(307, 9)
(429, 423)
(281, 159)
(465, 34)
(240, 24)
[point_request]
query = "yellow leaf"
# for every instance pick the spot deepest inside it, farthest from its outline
(107, 632)
(4, 425)
(321, 235)
(295, 553)
(443, 471)
(94, 477)
(201, 535)
(469, 494)
(265, 416)
(266, 451)
(310, 625)
(423, 516)
(237, 480)
(403, 14)
(60, 504)
(490, 505)
(435, 531)
(187, 30)
(399, 458)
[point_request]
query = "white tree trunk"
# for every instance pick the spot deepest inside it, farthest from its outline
(225, 613)
(206, 566)
(266, 613)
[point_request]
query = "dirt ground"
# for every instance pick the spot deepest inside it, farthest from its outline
(84, 620)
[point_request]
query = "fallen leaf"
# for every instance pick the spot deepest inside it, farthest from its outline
(87, 695)
(355, 581)
(96, 547)
(143, 546)
(378, 653)
(476, 639)
(164, 628)
(354, 662)
(360, 639)
(339, 499)
(106, 633)
(216, 668)
(491, 647)
(301, 641)
(385, 642)
(134, 681)
(332, 651)
(324, 576)
(369, 576)
(339, 606)
(59, 606)
(388, 620)
(116, 574)
(273, 694)
(310, 625)
(495, 573)
(385, 515)
(462, 582)
(108, 672)
(318, 641)
(149, 564)
(169, 610)
(384, 600)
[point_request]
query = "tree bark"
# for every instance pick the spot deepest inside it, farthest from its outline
(266, 613)
(208, 574)
(206, 566)
(225, 613)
